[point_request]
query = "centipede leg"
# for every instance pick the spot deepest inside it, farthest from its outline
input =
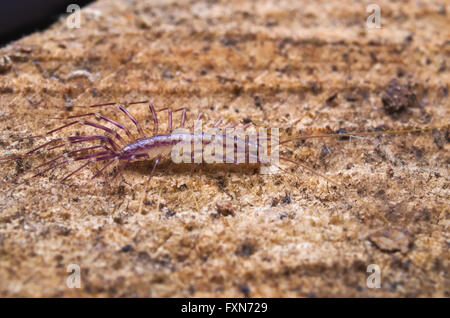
(144, 191)
(42, 146)
(100, 116)
(78, 139)
(170, 116)
(66, 155)
(135, 122)
(122, 167)
(153, 170)
(217, 124)
(103, 168)
(155, 119)
(169, 124)
(233, 125)
(86, 157)
(183, 118)
(75, 171)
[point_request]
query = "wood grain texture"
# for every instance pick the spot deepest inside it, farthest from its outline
(303, 66)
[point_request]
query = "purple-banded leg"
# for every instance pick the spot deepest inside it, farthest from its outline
(144, 192)
(199, 117)
(115, 157)
(95, 125)
(76, 170)
(121, 168)
(100, 116)
(71, 140)
(69, 154)
(153, 170)
(170, 114)
(103, 168)
(233, 125)
(90, 156)
(169, 124)
(183, 118)
(135, 122)
(217, 124)
(88, 123)
(155, 119)
(42, 146)
(78, 139)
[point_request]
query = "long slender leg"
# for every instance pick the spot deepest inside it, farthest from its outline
(153, 170)
(66, 155)
(110, 131)
(103, 168)
(62, 127)
(77, 139)
(56, 147)
(155, 119)
(76, 170)
(90, 156)
(169, 124)
(144, 191)
(135, 122)
(42, 146)
(122, 167)
(170, 114)
(183, 118)
(217, 124)
(71, 140)
(88, 123)
(233, 125)
(100, 116)
(199, 117)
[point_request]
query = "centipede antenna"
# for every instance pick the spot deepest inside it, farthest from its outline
(112, 103)
(312, 171)
(362, 133)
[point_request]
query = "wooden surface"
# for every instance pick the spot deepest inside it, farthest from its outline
(302, 66)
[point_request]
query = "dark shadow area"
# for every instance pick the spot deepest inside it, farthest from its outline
(22, 17)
